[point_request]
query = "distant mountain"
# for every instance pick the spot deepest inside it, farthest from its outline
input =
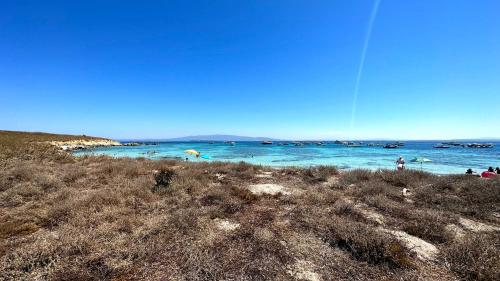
(220, 138)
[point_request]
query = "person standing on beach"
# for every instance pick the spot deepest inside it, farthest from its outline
(400, 163)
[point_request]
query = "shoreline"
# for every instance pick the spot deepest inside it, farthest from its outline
(83, 144)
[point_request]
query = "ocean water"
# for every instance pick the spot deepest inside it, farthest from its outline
(444, 161)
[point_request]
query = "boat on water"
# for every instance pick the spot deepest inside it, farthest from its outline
(267, 142)
(337, 142)
(441, 146)
(354, 145)
(398, 143)
(298, 143)
(320, 144)
(479, 145)
(391, 145)
(230, 142)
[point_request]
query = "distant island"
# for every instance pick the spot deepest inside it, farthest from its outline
(220, 138)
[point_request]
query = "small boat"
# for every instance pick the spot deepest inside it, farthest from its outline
(354, 145)
(320, 143)
(267, 142)
(480, 145)
(230, 142)
(337, 142)
(298, 144)
(390, 145)
(398, 143)
(441, 146)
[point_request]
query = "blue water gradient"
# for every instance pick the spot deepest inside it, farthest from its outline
(444, 161)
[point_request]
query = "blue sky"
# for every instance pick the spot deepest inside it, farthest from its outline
(284, 69)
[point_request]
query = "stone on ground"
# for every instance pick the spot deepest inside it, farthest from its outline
(425, 251)
(226, 225)
(475, 226)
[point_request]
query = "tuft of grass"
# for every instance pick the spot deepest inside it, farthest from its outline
(318, 174)
(476, 257)
(366, 244)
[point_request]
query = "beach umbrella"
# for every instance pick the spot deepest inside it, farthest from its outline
(420, 160)
(192, 152)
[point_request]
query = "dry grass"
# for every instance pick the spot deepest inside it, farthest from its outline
(99, 218)
(476, 257)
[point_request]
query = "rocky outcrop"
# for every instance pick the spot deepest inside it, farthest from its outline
(83, 144)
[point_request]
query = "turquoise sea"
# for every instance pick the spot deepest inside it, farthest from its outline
(444, 161)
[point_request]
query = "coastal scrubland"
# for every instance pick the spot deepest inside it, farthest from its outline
(100, 218)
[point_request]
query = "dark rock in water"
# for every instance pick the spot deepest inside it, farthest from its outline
(163, 179)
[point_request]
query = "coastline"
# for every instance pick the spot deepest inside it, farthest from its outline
(79, 144)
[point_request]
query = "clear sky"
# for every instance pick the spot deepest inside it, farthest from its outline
(284, 69)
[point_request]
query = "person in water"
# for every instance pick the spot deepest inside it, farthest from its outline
(490, 169)
(400, 163)
(497, 170)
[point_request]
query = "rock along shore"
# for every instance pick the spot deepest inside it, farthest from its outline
(83, 144)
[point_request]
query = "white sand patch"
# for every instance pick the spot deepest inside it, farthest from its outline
(268, 188)
(425, 251)
(302, 270)
(475, 226)
(226, 225)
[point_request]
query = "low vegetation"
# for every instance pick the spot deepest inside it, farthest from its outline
(100, 218)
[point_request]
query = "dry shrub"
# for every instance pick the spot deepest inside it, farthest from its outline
(244, 194)
(388, 206)
(16, 228)
(347, 209)
(364, 243)
(469, 196)
(318, 174)
(72, 173)
(375, 187)
(405, 178)
(476, 257)
(355, 176)
(163, 179)
(428, 225)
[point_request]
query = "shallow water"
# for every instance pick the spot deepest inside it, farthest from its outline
(444, 161)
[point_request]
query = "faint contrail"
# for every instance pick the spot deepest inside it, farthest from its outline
(362, 62)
